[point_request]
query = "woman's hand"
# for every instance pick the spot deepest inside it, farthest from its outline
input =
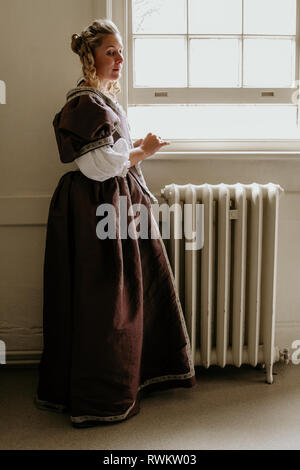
(145, 148)
(137, 143)
(151, 144)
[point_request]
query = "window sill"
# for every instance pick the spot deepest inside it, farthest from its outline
(254, 149)
(226, 156)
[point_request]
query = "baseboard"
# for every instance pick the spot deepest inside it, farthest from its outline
(22, 359)
(286, 333)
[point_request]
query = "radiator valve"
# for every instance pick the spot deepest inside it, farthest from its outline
(284, 355)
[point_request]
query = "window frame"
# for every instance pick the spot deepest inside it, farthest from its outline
(120, 11)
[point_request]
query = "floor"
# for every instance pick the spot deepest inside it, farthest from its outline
(229, 408)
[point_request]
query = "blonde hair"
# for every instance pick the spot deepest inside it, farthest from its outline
(84, 44)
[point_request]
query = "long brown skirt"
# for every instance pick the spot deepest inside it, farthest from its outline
(112, 319)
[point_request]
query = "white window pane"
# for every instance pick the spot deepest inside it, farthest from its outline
(159, 16)
(160, 62)
(270, 16)
(214, 62)
(214, 121)
(268, 62)
(215, 16)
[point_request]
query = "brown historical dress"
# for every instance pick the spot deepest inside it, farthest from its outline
(112, 319)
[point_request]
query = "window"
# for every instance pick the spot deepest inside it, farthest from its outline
(202, 51)
(214, 70)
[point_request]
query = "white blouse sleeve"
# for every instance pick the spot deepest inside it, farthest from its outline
(105, 162)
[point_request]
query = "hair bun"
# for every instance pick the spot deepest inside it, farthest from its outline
(76, 43)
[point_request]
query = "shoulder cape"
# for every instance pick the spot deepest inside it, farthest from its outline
(84, 123)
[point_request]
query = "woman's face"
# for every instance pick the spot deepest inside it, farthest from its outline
(109, 58)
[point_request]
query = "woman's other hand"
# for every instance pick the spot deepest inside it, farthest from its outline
(137, 143)
(148, 146)
(152, 143)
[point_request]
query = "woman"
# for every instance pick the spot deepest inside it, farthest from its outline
(113, 323)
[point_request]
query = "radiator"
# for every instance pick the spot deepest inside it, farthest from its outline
(228, 287)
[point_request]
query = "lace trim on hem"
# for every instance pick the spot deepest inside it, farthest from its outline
(80, 419)
(163, 378)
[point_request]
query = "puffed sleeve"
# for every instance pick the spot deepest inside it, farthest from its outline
(85, 123)
(105, 162)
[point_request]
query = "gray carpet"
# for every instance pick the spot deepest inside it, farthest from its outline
(229, 408)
